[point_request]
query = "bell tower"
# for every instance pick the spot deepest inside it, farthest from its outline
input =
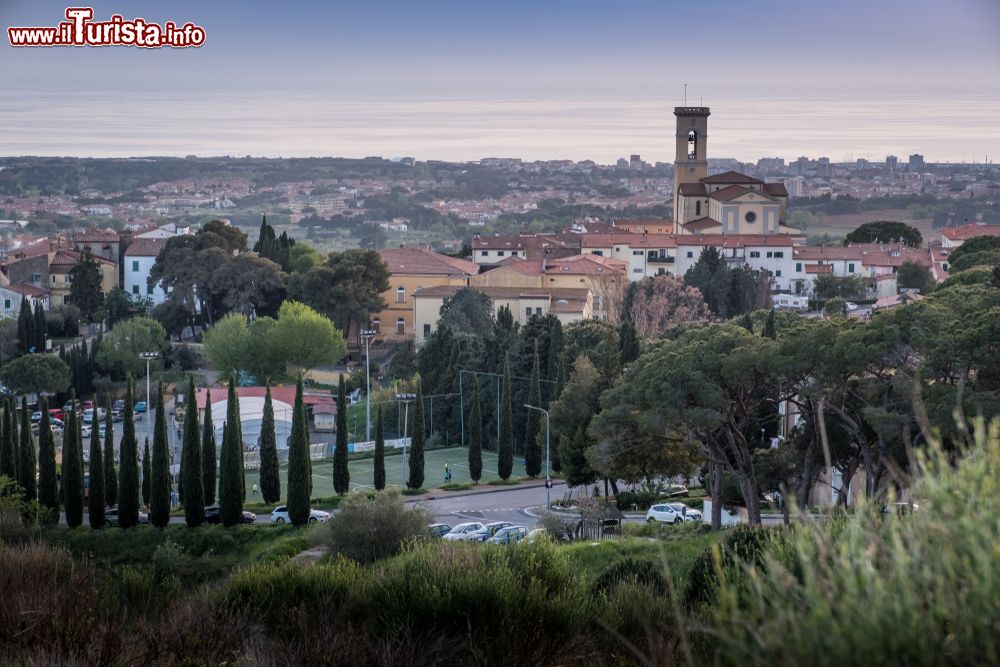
(690, 161)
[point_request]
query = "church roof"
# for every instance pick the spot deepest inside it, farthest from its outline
(775, 189)
(701, 224)
(734, 191)
(730, 177)
(693, 189)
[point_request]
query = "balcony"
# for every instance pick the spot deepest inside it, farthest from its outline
(660, 259)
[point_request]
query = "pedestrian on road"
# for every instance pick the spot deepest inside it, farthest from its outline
(254, 490)
(173, 497)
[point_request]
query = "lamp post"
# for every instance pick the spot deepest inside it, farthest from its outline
(405, 399)
(148, 356)
(366, 336)
(548, 468)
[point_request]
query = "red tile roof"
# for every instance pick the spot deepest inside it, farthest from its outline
(587, 263)
(66, 259)
(775, 189)
(693, 189)
(28, 289)
(285, 394)
(144, 247)
(730, 177)
(97, 236)
(418, 261)
(701, 224)
(969, 231)
(628, 238)
(736, 240)
(819, 268)
(829, 253)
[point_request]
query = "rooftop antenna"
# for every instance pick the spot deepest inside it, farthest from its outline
(685, 94)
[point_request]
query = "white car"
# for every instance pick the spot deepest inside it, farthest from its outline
(851, 306)
(463, 532)
(509, 535)
(280, 515)
(489, 530)
(672, 513)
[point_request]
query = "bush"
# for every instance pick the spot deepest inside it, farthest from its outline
(171, 561)
(638, 500)
(631, 571)
(742, 545)
(367, 529)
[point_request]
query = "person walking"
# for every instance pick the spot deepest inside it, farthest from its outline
(255, 490)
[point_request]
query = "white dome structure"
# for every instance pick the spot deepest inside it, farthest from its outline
(251, 415)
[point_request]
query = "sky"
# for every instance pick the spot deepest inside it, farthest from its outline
(563, 79)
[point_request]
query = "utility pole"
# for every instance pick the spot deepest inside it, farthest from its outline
(405, 399)
(148, 356)
(548, 466)
(366, 336)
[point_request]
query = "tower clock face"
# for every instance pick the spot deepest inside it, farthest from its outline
(691, 170)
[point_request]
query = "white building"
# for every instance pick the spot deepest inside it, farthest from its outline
(12, 295)
(139, 259)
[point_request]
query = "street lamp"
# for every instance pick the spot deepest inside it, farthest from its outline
(548, 468)
(405, 399)
(366, 336)
(148, 356)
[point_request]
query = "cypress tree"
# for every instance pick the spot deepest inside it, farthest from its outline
(379, 450)
(770, 326)
(505, 449)
(299, 465)
(15, 441)
(418, 442)
(476, 435)
(208, 452)
(8, 443)
(25, 327)
(48, 479)
(147, 474)
(159, 468)
(628, 343)
(128, 465)
(26, 456)
(270, 482)
(232, 489)
(532, 452)
(341, 475)
(95, 503)
(552, 363)
(110, 478)
(39, 327)
(72, 469)
(191, 469)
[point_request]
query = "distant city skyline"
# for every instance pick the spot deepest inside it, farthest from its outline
(566, 80)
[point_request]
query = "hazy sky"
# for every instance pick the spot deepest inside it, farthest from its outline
(563, 79)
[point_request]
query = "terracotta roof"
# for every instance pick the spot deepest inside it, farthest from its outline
(639, 222)
(97, 236)
(143, 247)
(533, 245)
(553, 293)
(70, 258)
(819, 268)
(835, 253)
(587, 263)
(418, 261)
(285, 394)
(28, 289)
(628, 238)
(775, 189)
(875, 254)
(730, 177)
(693, 189)
(969, 231)
(734, 191)
(736, 240)
(526, 267)
(905, 297)
(701, 224)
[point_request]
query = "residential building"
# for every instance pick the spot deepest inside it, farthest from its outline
(494, 249)
(952, 237)
(11, 297)
(568, 304)
(645, 254)
(140, 256)
(769, 252)
(103, 243)
(62, 262)
(813, 261)
(413, 269)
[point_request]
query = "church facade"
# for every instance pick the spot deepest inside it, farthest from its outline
(728, 203)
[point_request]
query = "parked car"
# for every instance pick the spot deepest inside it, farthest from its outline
(280, 515)
(438, 529)
(117, 416)
(88, 405)
(86, 430)
(509, 535)
(140, 407)
(118, 405)
(56, 413)
(88, 415)
(489, 530)
(672, 513)
(36, 417)
(537, 534)
(463, 532)
(111, 518)
(677, 491)
(212, 515)
(68, 405)
(851, 306)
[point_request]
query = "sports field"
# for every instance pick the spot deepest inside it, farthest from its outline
(362, 471)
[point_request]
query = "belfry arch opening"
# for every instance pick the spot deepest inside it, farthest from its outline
(692, 145)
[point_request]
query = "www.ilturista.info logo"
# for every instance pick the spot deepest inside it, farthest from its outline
(79, 29)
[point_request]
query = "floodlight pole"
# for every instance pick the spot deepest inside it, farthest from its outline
(548, 467)
(366, 336)
(148, 356)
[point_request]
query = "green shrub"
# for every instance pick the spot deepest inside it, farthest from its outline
(367, 528)
(635, 500)
(742, 545)
(631, 571)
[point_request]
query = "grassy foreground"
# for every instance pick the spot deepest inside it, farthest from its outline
(859, 588)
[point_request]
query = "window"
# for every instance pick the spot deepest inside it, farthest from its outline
(777, 272)
(754, 254)
(750, 217)
(135, 265)
(850, 268)
(377, 325)
(599, 253)
(690, 253)
(527, 311)
(637, 252)
(661, 271)
(618, 249)
(779, 253)
(149, 290)
(486, 253)
(36, 277)
(427, 330)
(770, 254)
(500, 253)
(697, 208)
(400, 295)
(513, 253)
(692, 145)
(636, 270)
(538, 310)
(400, 326)
(135, 290)
(798, 267)
(6, 304)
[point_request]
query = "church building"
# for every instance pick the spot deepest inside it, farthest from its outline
(728, 203)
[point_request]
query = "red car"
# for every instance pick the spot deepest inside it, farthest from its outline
(56, 413)
(88, 405)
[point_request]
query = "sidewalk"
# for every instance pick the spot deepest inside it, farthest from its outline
(435, 494)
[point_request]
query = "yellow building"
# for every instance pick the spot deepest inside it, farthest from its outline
(604, 277)
(61, 262)
(413, 269)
